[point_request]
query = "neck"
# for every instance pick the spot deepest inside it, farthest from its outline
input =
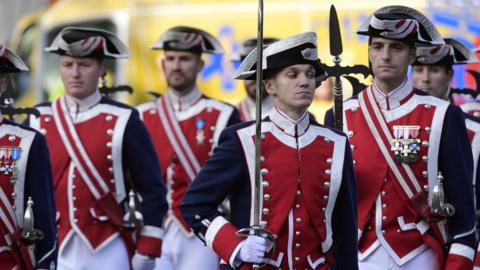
(387, 86)
(293, 113)
(182, 92)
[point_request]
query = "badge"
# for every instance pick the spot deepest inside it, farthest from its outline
(200, 124)
(405, 144)
(8, 158)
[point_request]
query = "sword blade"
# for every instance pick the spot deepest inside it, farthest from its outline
(335, 37)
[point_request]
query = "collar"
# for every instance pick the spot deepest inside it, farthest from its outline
(395, 98)
(76, 106)
(182, 103)
(288, 125)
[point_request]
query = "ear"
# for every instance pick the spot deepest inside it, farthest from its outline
(450, 75)
(268, 84)
(102, 69)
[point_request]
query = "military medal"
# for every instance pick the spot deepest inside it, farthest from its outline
(200, 124)
(405, 144)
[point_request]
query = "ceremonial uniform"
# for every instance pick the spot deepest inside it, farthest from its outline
(412, 159)
(386, 214)
(27, 208)
(102, 158)
(25, 174)
(185, 128)
(307, 194)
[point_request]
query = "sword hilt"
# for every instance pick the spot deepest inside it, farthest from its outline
(262, 232)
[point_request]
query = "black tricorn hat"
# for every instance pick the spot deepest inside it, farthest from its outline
(88, 42)
(10, 62)
(298, 49)
(453, 52)
(190, 39)
(401, 23)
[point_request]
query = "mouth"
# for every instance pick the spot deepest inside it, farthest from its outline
(75, 84)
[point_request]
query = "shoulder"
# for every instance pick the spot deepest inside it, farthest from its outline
(328, 132)
(218, 104)
(44, 107)
(147, 106)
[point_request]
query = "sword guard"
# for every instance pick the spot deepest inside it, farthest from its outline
(132, 219)
(262, 232)
(29, 233)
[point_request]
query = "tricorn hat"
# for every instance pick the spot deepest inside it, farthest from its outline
(10, 62)
(298, 49)
(184, 38)
(453, 52)
(401, 23)
(88, 42)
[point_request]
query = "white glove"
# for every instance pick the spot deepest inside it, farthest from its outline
(142, 262)
(253, 249)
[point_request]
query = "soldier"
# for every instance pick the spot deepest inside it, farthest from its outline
(433, 72)
(307, 175)
(27, 207)
(103, 159)
(247, 105)
(185, 126)
(413, 162)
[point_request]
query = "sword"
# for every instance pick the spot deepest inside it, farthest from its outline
(337, 70)
(255, 226)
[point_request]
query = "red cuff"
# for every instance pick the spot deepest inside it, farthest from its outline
(460, 257)
(149, 241)
(221, 237)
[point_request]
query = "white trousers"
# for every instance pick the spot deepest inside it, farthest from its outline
(180, 252)
(76, 255)
(381, 260)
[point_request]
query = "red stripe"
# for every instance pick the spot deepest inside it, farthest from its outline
(79, 157)
(385, 140)
(406, 28)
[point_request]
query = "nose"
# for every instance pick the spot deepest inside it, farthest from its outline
(305, 80)
(75, 71)
(386, 53)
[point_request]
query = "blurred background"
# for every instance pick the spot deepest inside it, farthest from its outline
(28, 26)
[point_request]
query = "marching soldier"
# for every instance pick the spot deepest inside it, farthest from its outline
(27, 208)
(433, 72)
(247, 105)
(185, 126)
(105, 170)
(412, 157)
(309, 193)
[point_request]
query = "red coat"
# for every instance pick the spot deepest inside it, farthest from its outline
(32, 179)
(118, 145)
(194, 113)
(386, 215)
(308, 193)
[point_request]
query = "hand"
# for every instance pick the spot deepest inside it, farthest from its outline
(253, 249)
(142, 262)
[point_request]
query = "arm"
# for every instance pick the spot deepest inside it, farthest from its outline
(141, 161)
(224, 173)
(456, 165)
(328, 121)
(344, 219)
(39, 186)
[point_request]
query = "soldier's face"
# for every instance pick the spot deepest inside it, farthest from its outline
(181, 69)
(292, 88)
(390, 58)
(251, 87)
(80, 76)
(432, 79)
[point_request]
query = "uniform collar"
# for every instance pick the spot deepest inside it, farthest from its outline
(267, 105)
(287, 124)
(76, 106)
(182, 103)
(395, 98)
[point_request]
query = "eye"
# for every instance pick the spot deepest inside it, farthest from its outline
(291, 75)
(310, 74)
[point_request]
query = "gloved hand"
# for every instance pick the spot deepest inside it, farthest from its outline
(142, 262)
(253, 249)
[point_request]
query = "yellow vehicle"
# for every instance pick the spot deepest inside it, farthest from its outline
(140, 22)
